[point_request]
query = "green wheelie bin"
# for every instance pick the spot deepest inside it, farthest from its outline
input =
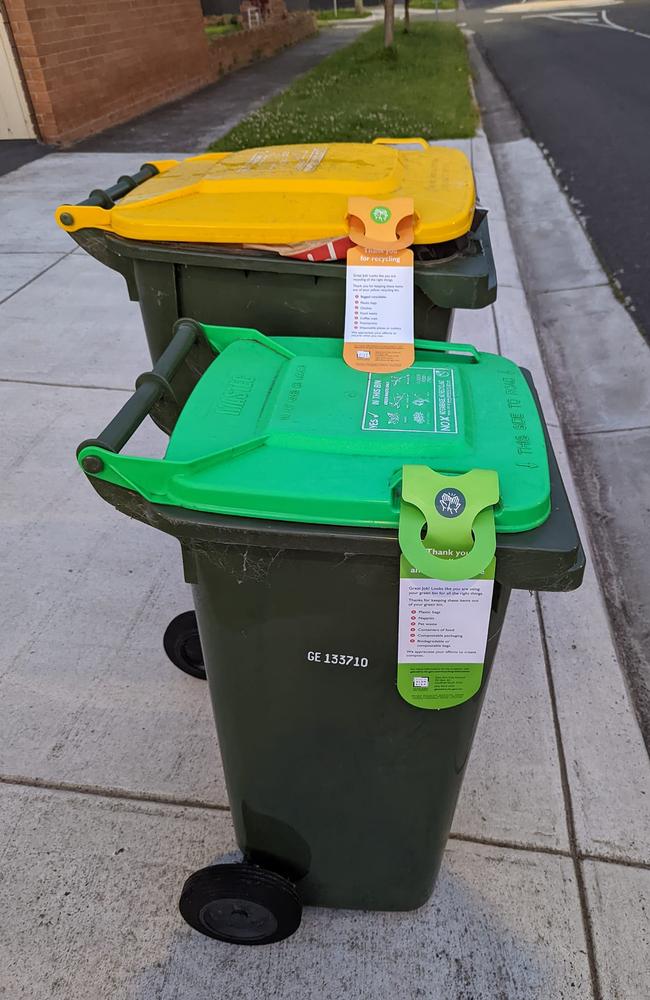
(258, 238)
(290, 486)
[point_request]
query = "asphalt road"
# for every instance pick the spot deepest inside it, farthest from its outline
(580, 79)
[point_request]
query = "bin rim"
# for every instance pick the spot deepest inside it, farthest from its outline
(466, 280)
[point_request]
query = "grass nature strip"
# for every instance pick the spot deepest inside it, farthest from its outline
(343, 14)
(420, 87)
(432, 4)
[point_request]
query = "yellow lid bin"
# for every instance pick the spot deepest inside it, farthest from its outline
(289, 194)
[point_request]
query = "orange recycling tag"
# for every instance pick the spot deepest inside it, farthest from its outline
(381, 225)
(379, 310)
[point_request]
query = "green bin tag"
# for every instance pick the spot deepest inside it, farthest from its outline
(448, 543)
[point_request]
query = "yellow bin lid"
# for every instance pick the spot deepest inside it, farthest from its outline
(289, 194)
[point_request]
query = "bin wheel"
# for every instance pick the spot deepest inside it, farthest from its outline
(183, 645)
(241, 904)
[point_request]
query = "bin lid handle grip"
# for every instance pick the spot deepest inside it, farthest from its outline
(150, 386)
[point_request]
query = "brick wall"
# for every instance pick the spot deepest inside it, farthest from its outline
(230, 52)
(89, 64)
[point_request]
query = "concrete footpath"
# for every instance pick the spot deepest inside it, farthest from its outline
(111, 789)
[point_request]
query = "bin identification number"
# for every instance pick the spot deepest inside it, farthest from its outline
(344, 659)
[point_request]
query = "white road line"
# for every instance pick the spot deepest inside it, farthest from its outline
(551, 6)
(562, 18)
(570, 20)
(492, 20)
(617, 27)
(577, 17)
(583, 14)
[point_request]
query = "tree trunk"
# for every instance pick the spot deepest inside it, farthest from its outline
(358, 8)
(407, 15)
(389, 23)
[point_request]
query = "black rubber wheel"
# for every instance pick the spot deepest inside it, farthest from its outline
(241, 904)
(183, 645)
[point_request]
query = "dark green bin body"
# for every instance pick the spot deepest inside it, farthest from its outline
(332, 777)
(279, 296)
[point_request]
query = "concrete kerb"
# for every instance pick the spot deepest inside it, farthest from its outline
(604, 765)
(616, 799)
(599, 367)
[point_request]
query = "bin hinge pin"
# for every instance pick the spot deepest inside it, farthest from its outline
(92, 463)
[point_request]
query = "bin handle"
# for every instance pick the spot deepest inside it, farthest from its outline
(149, 387)
(106, 198)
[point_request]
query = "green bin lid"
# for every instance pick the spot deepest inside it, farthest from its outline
(282, 428)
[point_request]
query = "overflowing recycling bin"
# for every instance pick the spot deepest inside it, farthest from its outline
(258, 238)
(352, 540)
